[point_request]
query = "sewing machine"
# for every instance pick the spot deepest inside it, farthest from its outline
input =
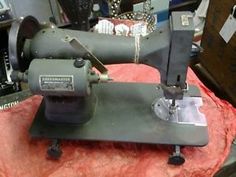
(81, 104)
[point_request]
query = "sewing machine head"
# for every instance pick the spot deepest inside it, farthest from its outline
(167, 49)
(58, 64)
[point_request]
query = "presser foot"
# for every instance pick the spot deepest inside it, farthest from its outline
(184, 112)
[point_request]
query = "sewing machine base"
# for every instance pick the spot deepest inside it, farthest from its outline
(123, 113)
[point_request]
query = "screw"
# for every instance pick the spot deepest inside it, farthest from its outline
(79, 62)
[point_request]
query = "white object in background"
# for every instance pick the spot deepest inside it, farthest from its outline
(139, 29)
(121, 30)
(96, 7)
(201, 12)
(157, 6)
(104, 27)
(202, 9)
(229, 28)
(3, 7)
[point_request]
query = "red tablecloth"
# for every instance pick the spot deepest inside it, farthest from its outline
(21, 156)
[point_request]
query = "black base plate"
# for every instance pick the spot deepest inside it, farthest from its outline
(123, 113)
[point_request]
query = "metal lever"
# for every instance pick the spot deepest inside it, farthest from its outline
(75, 43)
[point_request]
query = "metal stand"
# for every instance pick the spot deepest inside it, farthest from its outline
(177, 158)
(54, 150)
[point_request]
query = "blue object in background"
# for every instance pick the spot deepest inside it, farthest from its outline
(162, 15)
(104, 8)
(174, 2)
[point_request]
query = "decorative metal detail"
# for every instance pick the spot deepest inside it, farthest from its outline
(114, 7)
(147, 7)
(145, 15)
(141, 16)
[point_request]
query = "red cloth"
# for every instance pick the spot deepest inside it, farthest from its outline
(21, 156)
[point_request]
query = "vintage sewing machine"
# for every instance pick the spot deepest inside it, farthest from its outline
(81, 104)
